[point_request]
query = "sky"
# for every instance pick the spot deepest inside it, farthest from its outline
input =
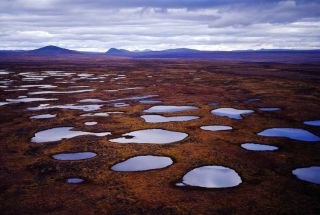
(97, 25)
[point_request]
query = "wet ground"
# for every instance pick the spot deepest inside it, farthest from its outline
(33, 182)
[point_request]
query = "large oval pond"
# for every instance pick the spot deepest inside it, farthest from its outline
(211, 177)
(152, 136)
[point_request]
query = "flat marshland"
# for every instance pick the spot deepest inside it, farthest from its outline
(32, 181)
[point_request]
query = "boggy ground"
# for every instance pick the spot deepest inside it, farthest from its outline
(33, 183)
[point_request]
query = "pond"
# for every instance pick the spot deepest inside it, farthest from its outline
(159, 118)
(309, 174)
(258, 147)
(216, 128)
(291, 133)
(169, 108)
(74, 180)
(44, 116)
(211, 177)
(152, 136)
(312, 122)
(142, 163)
(270, 109)
(73, 156)
(231, 112)
(57, 134)
(67, 106)
(90, 123)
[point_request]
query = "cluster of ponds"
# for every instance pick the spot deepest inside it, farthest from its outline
(210, 176)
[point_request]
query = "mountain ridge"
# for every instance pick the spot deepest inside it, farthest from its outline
(52, 50)
(262, 55)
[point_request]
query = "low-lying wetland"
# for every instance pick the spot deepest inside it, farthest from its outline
(159, 137)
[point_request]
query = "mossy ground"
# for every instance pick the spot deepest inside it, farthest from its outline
(33, 183)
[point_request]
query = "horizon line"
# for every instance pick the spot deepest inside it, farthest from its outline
(150, 50)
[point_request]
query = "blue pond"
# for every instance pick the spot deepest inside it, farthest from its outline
(258, 147)
(309, 174)
(142, 163)
(313, 122)
(74, 180)
(231, 112)
(269, 109)
(211, 177)
(291, 133)
(74, 156)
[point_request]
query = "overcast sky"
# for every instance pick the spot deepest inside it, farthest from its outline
(97, 25)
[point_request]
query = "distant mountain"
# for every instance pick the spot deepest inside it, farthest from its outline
(7, 52)
(120, 52)
(117, 51)
(179, 50)
(52, 50)
(262, 55)
(168, 53)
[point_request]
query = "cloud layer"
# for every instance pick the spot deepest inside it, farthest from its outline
(155, 24)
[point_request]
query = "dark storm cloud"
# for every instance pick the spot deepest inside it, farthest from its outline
(134, 24)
